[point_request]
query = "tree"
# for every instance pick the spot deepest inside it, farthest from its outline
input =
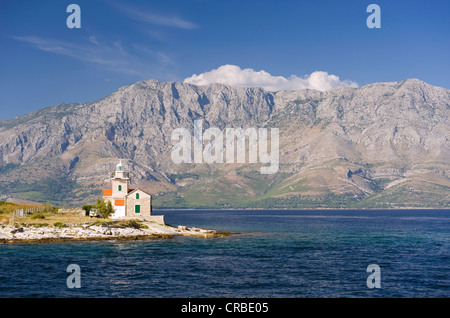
(87, 208)
(105, 209)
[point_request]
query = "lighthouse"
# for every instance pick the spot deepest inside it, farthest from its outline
(128, 202)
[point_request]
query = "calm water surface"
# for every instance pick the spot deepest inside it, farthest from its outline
(277, 254)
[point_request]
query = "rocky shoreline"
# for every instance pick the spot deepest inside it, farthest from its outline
(98, 232)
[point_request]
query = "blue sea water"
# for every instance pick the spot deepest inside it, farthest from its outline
(288, 254)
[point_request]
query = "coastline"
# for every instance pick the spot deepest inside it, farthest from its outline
(299, 209)
(10, 234)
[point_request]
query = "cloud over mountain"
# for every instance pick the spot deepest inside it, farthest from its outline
(235, 76)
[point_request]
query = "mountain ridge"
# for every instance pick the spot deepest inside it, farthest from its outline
(366, 146)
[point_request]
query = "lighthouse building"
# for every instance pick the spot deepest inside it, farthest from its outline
(128, 202)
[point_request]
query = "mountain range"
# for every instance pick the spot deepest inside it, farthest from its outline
(383, 145)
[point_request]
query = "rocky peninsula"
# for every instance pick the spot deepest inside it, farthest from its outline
(122, 230)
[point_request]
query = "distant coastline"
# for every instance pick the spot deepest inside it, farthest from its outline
(297, 209)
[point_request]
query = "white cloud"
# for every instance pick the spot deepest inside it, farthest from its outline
(154, 18)
(170, 21)
(93, 39)
(235, 76)
(111, 56)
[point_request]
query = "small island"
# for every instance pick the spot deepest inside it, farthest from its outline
(70, 225)
(97, 231)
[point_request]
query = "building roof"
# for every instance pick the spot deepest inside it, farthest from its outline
(134, 190)
(107, 192)
(119, 202)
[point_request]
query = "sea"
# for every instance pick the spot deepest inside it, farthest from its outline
(273, 254)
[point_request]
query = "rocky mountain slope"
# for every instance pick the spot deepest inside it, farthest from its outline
(381, 145)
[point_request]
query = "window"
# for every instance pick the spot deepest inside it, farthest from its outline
(137, 196)
(137, 208)
(120, 187)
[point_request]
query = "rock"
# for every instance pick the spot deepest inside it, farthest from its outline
(50, 234)
(17, 230)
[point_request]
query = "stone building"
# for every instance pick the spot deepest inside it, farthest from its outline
(128, 202)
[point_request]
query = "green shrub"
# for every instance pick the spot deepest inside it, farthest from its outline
(99, 223)
(39, 224)
(133, 224)
(59, 224)
(104, 207)
(37, 216)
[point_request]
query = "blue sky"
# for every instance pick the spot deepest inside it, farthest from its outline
(43, 62)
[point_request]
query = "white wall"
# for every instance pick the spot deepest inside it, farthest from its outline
(119, 211)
